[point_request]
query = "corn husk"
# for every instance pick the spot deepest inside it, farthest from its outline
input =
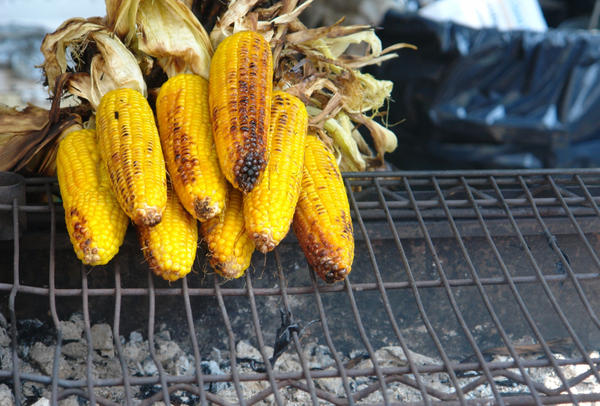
(29, 139)
(112, 67)
(164, 29)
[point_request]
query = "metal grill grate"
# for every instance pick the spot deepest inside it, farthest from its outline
(460, 266)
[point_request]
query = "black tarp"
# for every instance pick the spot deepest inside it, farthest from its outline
(492, 99)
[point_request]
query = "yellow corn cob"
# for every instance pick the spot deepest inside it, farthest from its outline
(95, 222)
(188, 145)
(240, 86)
(322, 220)
(269, 207)
(130, 147)
(170, 246)
(230, 248)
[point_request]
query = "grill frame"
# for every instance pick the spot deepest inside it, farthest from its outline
(421, 199)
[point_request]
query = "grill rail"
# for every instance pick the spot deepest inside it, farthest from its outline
(425, 239)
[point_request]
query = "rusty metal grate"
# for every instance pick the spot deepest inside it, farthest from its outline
(456, 265)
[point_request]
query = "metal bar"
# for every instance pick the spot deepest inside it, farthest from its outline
(152, 348)
(548, 291)
(88, 336)
(116, 329)
(486, 299)
(11, 306)
(421, 308)
(458, 203)
(365, 339)
(265, 393)
(382, 290)
(588, 196)
(513, 400)
(395, 204)
(448, 288)
(331, 398)
(232, 350)
(406, 381)
(303, 362)
(566, 263)
(329, 341)
(78, 392)
(424, 174)
(261, 341)
(52, 300)
(194, 339)
(317, 374)
(298, 290)
(515, 292)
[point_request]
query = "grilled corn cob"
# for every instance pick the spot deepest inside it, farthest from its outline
(95, 222)
(130, 147)
(230, 248)
(240, 87)
(188, 145)
(170, 246)
(269, 207)
(322, 220)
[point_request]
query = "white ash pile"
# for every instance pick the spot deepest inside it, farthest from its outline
(37, 345)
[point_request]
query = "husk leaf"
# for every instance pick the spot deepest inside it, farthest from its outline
(72, 34)
(164, 29)
(385, 140)
(171, 33)
(364, 93)
(20, 131)
(340, 130)
(113, 67)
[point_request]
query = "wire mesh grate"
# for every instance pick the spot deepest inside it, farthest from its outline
(468, 287)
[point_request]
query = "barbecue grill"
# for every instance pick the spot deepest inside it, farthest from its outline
(479, 281)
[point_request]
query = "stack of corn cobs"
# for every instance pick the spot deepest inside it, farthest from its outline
(247, 139)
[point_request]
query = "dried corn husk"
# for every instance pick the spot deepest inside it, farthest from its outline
(29, 137)
(164, 29)
(112, 67)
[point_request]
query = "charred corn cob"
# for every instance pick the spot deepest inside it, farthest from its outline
(322, 220)
(269, 207)
(95, 222)
(188, 145)
(240, 87)
(170, 246)
(130, 147)
(230, 248)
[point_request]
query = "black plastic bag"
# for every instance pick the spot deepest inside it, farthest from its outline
(492, 99)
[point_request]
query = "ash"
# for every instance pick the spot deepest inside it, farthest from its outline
(37, 345)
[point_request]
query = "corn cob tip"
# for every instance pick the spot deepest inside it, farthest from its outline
(83, 237)
(228, 270)
(264, 242)
(206, 209)
(249, 168)
(335, 275)
(148, 216)
(326, 261)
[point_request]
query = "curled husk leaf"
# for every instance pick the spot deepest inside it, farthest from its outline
(113, 67)
(164, 29)
(339, 128)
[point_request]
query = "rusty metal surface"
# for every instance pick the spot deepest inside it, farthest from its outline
(453, 265)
